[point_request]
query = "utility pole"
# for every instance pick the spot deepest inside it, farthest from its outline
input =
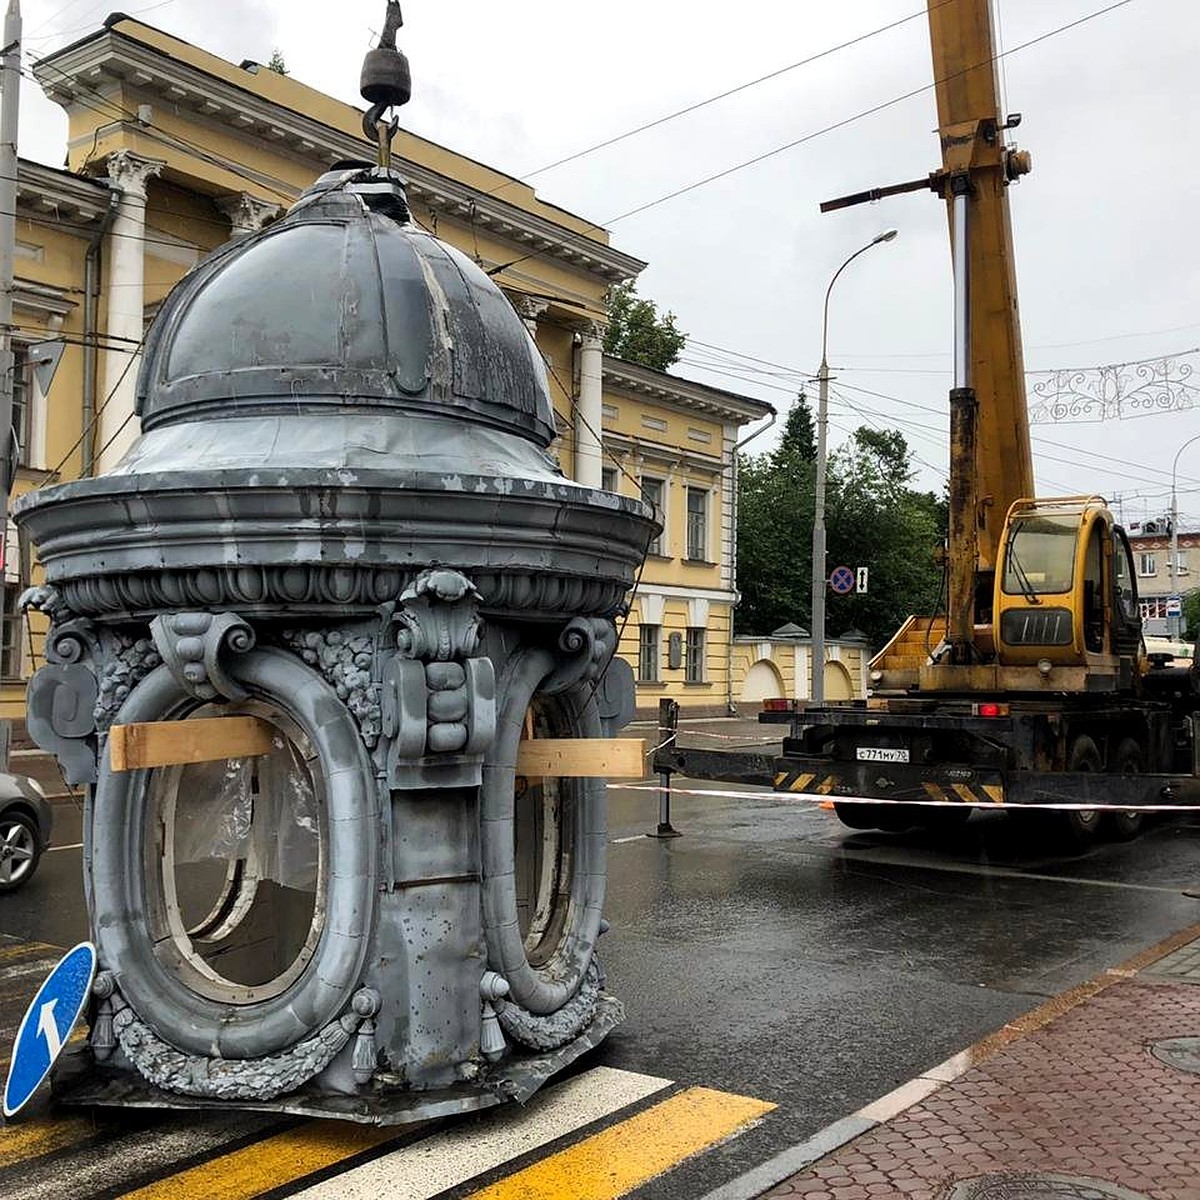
(10, 81)
(1175, 624)
(819, 580)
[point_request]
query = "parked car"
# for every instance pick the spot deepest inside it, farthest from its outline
(25, 821)
(1181, 653)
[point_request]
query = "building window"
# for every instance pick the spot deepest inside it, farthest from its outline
(649, 638)
(22, 396)
(697, 524)
(652, 494)
(1147, 564)
(12, 632)
(695, 656)
(608, 478)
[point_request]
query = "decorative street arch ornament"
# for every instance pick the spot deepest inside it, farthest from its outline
(340, 519)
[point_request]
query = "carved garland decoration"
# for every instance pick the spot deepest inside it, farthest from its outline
(211, 1078)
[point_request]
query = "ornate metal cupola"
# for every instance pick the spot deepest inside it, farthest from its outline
(340, 549)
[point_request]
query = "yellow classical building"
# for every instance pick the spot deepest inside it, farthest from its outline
(172, 151)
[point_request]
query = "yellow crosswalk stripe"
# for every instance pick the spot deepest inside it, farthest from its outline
(31, 1139)
(615, 1161)
(271, 1163)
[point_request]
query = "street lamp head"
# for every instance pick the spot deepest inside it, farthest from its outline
(888, 235)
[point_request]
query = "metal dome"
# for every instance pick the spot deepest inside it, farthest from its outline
(342, 305)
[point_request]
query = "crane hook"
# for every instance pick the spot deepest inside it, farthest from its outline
(386, 83)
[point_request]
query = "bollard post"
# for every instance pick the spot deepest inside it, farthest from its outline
(668, 726)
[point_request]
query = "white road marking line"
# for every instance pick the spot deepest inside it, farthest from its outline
(73, 846)
(886, 859)
(429, 1167)
(637, 837)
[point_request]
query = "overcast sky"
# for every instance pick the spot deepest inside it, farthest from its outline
(1108, 266)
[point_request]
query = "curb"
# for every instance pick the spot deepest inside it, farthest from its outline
(833, 1137)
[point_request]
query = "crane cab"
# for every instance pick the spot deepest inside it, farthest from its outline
(1066, 594)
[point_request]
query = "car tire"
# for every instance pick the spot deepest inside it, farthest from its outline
(20, 850)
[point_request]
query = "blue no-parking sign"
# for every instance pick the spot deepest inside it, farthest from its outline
(842, 580)
(47, 1024)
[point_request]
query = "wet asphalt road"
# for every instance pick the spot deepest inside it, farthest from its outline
(771, 952)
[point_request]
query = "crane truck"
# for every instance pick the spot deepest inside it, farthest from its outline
(1031, 686)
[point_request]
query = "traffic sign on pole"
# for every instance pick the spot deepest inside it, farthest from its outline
(1174, 606)
(47, 1025)
(842, 581)
(864, 578)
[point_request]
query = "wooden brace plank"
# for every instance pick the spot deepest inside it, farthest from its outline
(583, 758)
(173, 743)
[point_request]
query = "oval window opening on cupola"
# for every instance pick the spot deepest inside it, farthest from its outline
(236, 865)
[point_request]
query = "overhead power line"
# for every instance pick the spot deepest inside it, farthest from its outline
(688, 109)
(827, 129)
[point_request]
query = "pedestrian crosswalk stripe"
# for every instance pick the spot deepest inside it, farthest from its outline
(445, 1160)
(618, 1159)
(31, 1139)
(127, 1148)
(271, 1163)
(287, 1158)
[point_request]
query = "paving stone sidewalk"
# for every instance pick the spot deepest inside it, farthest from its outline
(1077, 1108)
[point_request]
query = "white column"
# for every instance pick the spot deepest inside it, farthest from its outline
(247, 214)
(117, 427)
(589, 408)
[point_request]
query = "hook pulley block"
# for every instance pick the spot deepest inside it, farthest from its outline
(386, 79)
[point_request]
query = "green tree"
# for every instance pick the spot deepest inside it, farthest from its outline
(277, 64)
(874, 519)
(776, 501)
(799, 437)
(1191, 614)
(638, 333)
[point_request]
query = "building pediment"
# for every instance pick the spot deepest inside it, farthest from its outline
(640, 382)
(57, 196)
(75, 75)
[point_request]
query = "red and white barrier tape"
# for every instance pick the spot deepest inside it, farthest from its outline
(814, 798)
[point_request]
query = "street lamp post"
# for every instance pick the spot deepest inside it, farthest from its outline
(818, 538)
(1175, 623)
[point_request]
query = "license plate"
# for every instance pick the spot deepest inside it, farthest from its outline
(878, 754)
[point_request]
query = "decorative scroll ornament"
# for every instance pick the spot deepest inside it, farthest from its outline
(1115, 392)
(193, 646)
(588, 643)
(245, 1079)
(438, 619)
(438, 693)
(61, 697)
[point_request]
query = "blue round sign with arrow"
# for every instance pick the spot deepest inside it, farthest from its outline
(47, 1025)
(842, 580)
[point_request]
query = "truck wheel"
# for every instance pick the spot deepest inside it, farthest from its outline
(945, 817)
(1075, 829)
(1126, 760)
(890, 818)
